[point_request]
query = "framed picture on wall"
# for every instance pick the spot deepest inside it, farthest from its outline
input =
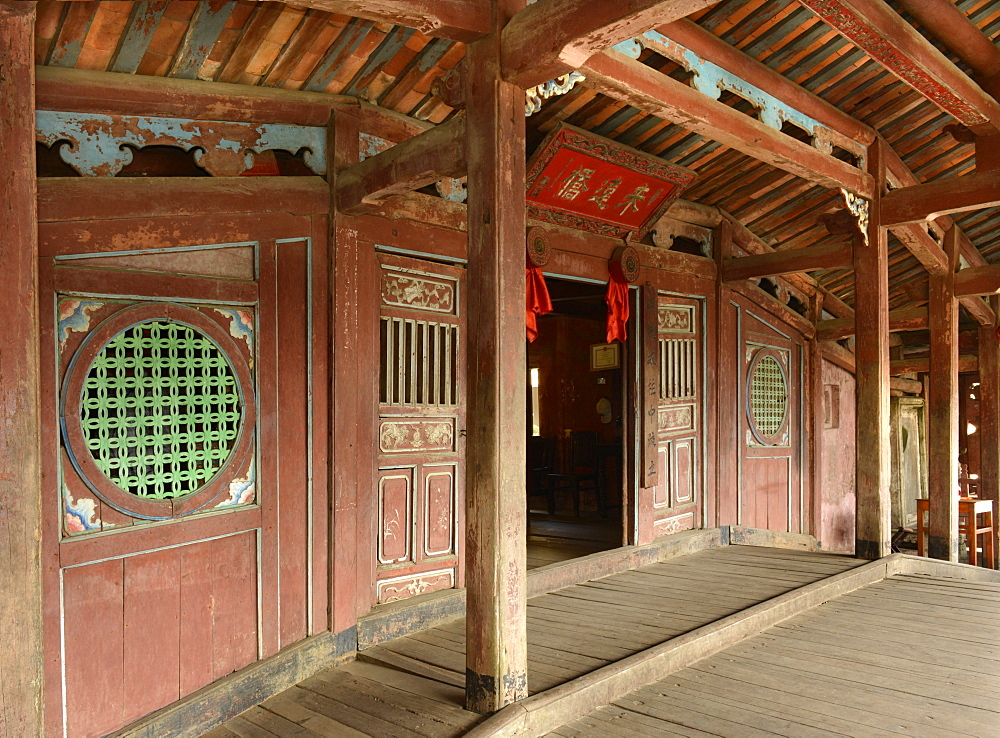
(604, 356)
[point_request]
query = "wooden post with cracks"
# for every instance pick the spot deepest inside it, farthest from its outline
(496, 518)
(871, 276)
(21, 695)
(989, 419)
(942, 409)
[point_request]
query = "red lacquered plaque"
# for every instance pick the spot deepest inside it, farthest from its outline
(583, 181)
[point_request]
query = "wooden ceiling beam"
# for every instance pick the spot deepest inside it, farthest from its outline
(553, 37)
(422, 160)
(978, 281)
(942, 197)
(457, 20)
(958, 33)
(967, 363)
(878, 30)
(812, 258)
(643, 87)
(906, 319)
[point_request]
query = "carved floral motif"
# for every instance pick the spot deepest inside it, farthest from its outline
(674, 320)
(80, 515)
(676, 418)
(74, 315)
(399, 436)
(391, 590)
(675, 524)
(407, 290)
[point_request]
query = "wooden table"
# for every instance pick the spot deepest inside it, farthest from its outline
(969, 511)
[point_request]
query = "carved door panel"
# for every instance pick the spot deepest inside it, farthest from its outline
(676, 498)
(770, 392)
(420, 502)
(166, 397)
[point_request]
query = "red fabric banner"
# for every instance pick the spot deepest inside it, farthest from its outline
(538, 301)
(617, 299)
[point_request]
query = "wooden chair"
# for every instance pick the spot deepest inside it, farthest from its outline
(582, 472)
(975, 518)
(540, 464)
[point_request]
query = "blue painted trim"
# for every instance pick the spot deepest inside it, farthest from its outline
(142, 24)
(206, 27)
(386, 50)
(348, 40)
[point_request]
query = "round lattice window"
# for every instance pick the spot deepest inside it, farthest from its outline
(154, 410)
(161, 410)
(767, 397)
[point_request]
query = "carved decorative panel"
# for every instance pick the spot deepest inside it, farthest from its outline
(676, 524)
(439, 510)
(676, 319)
(408, 436)
(661, 492)
(398, 588)
(395, 516)
(419, 291)
(677, 418)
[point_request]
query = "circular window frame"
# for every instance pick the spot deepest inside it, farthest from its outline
(71, 402)
(773, 439)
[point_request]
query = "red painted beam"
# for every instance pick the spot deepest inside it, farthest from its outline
(826, 256)
(941, 197)
(553, 37)
(954, 29)
(981, 280)
(879, 31)
(642, 87)
(906, 319)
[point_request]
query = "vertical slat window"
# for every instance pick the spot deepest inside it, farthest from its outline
(418, 362)
(678, 357)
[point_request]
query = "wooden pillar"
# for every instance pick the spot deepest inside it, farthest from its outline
(989, 420)
(496, 520)
(816, 424)
(942, 410)
(20, 475)
(871, 278)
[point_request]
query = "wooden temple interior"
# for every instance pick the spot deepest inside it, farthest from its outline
(500, 367)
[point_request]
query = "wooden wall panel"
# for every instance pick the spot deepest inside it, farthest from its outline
(395, 516)
(234, 643)
(439, 510)
(94, 631)
(152, 636)
(197, 606)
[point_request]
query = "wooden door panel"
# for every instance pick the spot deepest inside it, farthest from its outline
(420, 428)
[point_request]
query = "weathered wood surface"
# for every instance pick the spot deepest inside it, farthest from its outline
(413, 686)
(977, 280)
(989, 422)
(966, 363)
(552, 38)
(904, 319)
(20, 474)
(892, 658)
(871, 265)
(942, 411)
(459, 20)
(496, 518)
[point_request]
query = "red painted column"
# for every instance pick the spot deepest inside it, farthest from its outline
(20, 476)
(989, 420)
(496, 517)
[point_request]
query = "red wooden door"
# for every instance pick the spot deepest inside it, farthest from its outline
(172, 374)
(421, 428)
(770, 480)
(675, 502)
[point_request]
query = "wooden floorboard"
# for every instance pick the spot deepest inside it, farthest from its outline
(414, 686)
(911, 655)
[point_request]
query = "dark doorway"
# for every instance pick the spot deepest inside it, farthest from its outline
(575, 427)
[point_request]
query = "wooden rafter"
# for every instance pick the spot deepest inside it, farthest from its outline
(906, 319)
(967, 363)
(553, 37)
(642, 87)
(942, 197)
(881, 32)
(826, 256)
(422, 160)
(980, 280)
(458, 20)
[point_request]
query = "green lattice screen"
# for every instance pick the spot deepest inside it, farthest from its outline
(160, 410)
(768, 396)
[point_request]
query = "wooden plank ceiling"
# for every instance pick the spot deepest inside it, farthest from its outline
(283, 45)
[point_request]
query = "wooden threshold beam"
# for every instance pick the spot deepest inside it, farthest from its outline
(826, 256)
(553, 37)
(906, 319)
(945, 196)
(878, 30)
(422, 160)
(647, 89)
(457, 20)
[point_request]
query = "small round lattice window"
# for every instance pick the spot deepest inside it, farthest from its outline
(768, 396)
(160, 409)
